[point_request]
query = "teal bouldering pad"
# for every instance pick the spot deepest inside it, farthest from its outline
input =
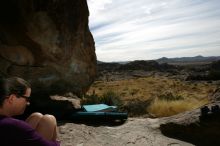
(98, 116)
(99, 107)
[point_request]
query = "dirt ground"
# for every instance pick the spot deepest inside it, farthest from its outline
(135, 131)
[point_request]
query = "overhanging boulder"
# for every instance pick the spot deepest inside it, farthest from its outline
(48, 43)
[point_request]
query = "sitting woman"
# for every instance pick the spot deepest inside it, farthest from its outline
(37, 130)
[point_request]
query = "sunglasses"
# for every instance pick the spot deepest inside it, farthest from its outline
(25, 97)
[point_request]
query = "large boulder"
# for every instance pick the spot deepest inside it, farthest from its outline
(200, 126)
(48, 43)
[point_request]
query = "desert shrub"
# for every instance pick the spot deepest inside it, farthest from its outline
(195, 84)
(134, 91)
(169, 96)
(136, 107)
(110, 98)
(123, 93)
(90, 99)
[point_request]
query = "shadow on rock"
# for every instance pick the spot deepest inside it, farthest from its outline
(95, 123)
(204, 132)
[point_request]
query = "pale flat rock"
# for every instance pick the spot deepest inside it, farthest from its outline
(138, 132)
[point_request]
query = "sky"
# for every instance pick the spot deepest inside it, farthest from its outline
(127, 30)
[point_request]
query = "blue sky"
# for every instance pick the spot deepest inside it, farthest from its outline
(126, 30)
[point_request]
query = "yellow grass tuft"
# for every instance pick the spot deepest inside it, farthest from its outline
(164, 108)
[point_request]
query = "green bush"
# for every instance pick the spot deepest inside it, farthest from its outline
(110, 98)
(90, 99)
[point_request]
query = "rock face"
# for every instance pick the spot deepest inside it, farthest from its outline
(200, 126)
(48, 43)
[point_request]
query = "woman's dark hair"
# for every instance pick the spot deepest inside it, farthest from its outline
(12, 85)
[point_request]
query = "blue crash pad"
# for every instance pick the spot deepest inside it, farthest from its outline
(99, 107)
(99, 116)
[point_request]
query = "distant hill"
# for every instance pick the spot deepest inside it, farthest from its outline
(159, 64)
(188, 59)
(146, 65)
(100, 62)
(198, 58)
(119, 62)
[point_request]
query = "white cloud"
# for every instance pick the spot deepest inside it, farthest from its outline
(149, 29)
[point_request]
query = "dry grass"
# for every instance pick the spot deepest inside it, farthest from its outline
(152, 87)
(163, 108)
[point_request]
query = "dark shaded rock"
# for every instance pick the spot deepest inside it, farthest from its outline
(210, 72)
(200, 126)
(204, 111)
(216, 95)
(216, 65)
(48, 43)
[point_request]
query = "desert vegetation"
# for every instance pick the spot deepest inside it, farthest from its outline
(155, 95)
(155, 88)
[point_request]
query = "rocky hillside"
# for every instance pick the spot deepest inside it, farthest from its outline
(135, 65)
(188, 59)
(209, 72)
(187, 68)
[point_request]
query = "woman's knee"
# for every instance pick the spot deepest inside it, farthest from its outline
(50, 118)
(34, 119)
(48, 122)
(36, 115)
(47, 127)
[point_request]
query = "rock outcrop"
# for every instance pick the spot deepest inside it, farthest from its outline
(200, 126)
(48, 43)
